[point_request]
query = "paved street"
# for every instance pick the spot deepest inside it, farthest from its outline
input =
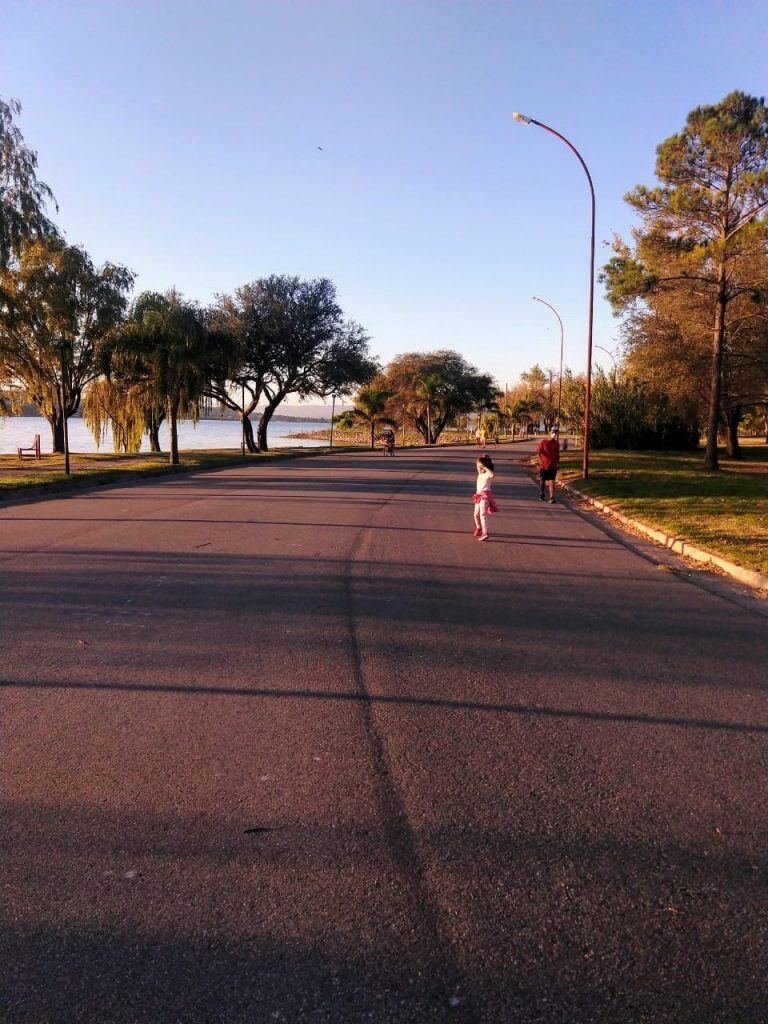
(285, 743)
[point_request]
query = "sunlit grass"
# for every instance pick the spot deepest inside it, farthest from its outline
(725, 512)
(103, 468)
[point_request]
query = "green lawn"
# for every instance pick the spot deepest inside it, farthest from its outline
(725, 512)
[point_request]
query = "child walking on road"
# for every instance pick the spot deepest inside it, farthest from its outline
(484, 503)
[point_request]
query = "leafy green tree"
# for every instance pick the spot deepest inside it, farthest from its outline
(239, 317)
(161, 352)
(455, 387)
(293, 340)
(23, 198)
(346, 419)
(56, 312)
(540, 389)
(701, 226)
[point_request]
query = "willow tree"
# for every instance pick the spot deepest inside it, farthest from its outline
(56, 311)
(161, 353)
(702, 227)
(23, 198)
(126, 411)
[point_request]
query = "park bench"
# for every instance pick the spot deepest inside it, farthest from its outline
(33, 452)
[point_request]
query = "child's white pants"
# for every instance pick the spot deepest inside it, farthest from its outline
(481, 515)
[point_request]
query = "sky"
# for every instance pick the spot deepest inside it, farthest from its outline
(205, 144)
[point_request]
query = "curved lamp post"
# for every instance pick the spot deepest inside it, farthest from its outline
(560, 385)
(522, 119)
(608, 353)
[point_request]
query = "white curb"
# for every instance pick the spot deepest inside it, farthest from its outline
(750, 578)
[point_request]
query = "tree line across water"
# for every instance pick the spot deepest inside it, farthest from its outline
(690, 288)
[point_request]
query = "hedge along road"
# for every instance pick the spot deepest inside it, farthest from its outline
(287, 744)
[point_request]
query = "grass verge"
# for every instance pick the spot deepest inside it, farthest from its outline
(48, 476)
(725, 513)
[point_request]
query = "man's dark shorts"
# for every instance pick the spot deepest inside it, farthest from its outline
(547, 474)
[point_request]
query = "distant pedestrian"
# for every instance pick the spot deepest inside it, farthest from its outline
(484, 503)
(548, 451)
(480, 436)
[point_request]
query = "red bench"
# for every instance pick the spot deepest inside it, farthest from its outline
(33, 452)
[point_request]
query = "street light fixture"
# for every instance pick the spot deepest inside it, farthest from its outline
(608, 353)
(522, 119)
(560, 385)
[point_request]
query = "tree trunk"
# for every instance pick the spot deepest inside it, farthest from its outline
(765, 424)
(716, 378)
(266, 416)
(733, 419)
(421, 427)
(373, 435)
(173, 409)
(250, 442)
(154, 436)
(56, 422)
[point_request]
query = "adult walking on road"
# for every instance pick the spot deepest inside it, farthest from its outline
(484, 503)
(548, 451)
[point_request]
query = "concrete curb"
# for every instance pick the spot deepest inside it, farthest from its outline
(750, 578)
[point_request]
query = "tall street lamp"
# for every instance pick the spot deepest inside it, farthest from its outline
(560, 385)
(522, 119)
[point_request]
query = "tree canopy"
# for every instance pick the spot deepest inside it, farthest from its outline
(56, 311)
(432, 388)
(23, 198)
(696, 271)
(160, 354)
(293, 339)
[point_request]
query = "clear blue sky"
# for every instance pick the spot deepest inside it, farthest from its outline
(181, 138)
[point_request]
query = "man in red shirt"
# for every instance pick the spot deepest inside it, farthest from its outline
(548, 451)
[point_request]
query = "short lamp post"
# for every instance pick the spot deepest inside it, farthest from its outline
(560, 385)
(522, 119)
(333, 413)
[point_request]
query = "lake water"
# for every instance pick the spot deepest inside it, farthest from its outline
(19, 431)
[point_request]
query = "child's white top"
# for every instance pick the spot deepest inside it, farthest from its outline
(484, 478)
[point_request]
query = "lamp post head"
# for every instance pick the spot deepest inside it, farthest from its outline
(521, 118)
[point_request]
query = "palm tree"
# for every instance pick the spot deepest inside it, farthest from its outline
(370, 405)
(429, 388)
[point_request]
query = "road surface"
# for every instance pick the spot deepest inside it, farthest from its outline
(285, 743)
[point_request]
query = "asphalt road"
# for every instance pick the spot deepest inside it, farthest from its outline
(285, 743)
